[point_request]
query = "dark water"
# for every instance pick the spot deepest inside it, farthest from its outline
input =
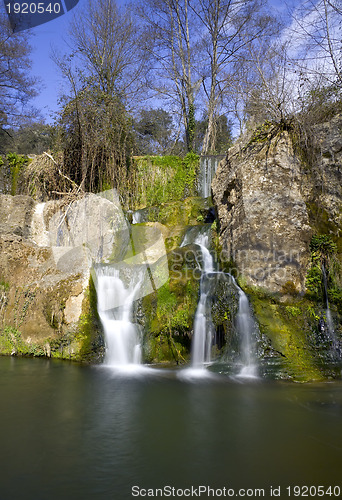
(73, 432)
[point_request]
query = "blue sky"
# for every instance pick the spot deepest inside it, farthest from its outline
(52, 34)
(45, 38)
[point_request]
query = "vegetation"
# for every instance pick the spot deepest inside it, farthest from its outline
(164, 178)
(287, 328)
(17, 87)
(210, 67)
(16, 163)
(324, 266)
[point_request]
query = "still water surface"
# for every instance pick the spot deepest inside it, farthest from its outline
(75, 432)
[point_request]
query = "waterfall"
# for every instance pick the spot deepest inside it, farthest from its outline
(207, 169)
(203, 327)
(115, 307)
(245, 325)
(329, 319)
(136, 218)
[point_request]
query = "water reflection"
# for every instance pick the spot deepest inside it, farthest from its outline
(76, 432)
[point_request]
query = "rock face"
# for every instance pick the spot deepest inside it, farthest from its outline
(322, 183)
(262, 212)
(271, 198)
(46, 251)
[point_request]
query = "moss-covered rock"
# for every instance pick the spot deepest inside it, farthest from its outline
(191, 211)
(44, 312)
(293, 334)
(176, 218)
(169, 312)
(161, 179)
(47, 305)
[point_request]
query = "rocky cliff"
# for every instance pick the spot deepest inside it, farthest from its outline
(279, 204)
(270, 201)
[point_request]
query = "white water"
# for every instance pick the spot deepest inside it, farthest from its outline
(203, 327)
(136, 219)
(115, 307)
(245, 326)
(208, 166)
(39, 232)
(329, 319)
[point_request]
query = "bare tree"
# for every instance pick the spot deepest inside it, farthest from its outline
(17, 87)
(171, 41)
(105, 40)
(270, 90)
(228, 26)
(315, 35)
(104, 72)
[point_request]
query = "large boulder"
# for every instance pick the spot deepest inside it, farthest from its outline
(263, 216)
(46, 291)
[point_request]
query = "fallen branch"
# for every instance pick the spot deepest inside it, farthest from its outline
(61, 173)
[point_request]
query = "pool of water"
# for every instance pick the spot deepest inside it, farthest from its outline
(77, 432)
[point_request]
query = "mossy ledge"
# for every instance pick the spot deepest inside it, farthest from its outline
(82, 342)
(290, 335)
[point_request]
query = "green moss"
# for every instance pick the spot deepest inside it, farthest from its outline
(161, 179)
(190, 212)
(4, 286)
(12, 343)
(293, 311)
(324, 245)
(286, 326)
(16, 163)
(165, 349)
(324, 253)
(323, 225)
(89, 336)
(170, 311)
(261, 133)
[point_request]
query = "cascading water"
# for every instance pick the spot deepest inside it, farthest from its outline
(207, 169)
(245, 325)
(115, 307)
(329, 319)
(203, 327)
(136, 218)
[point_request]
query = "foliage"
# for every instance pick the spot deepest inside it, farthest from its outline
(314, 282)
(96, 138)
(154, 132)
(323, 245)
(162, 179)
(323, 252)
(11, 342)
(104, 72)
(29, 138)
(17, 87)
(16, 163)
(221, 137)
